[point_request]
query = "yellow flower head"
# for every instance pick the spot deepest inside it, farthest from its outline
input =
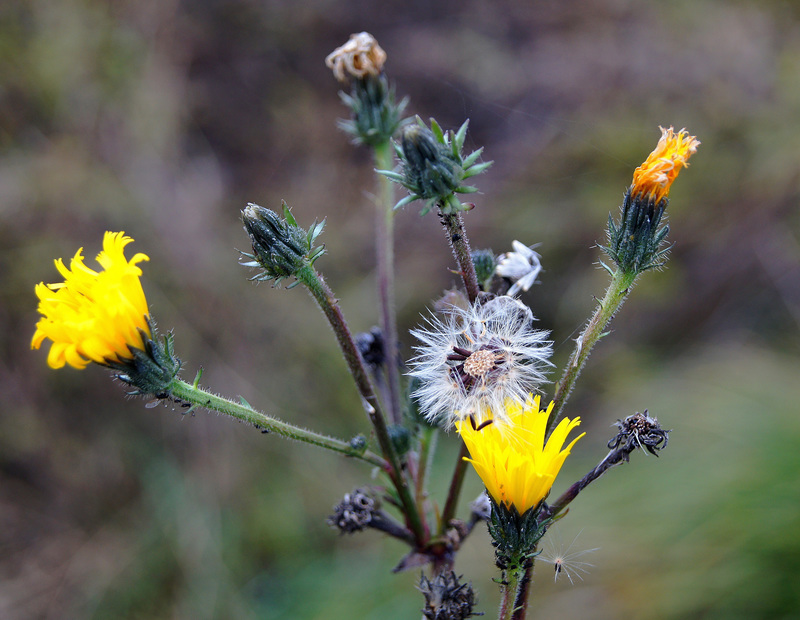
(652, 180)
(512, 458)
(94, 316)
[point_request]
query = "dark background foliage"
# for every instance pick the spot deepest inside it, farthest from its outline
(163, 118)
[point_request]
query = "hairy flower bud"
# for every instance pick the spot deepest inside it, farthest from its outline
(280, 247)
(433, 167)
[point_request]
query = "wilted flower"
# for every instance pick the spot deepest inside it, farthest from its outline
(637, 242)
(446, 598)
(511, 456)
(652, 180)
(522, 267)
(478, 359)
(359, 57)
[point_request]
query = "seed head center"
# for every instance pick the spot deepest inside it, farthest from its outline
(480, 363)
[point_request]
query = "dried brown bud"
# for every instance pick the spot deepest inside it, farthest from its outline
(359, 57)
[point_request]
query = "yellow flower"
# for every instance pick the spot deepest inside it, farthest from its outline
(652, 180)
(512, 459)
(94, 316)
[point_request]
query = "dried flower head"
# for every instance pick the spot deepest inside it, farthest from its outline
(446, 598)
(355, 512)
(639, 431)
(477, 359)
(359, 57)
(652, 180)
(522, 267)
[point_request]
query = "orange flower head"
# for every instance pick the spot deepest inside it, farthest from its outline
(652, 180)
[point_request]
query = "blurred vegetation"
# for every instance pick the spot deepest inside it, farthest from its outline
(163, 118)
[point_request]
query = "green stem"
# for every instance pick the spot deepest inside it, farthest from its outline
(514, 594)
(385, 267)
(456, 482)
(618, 289)
(521, 598)
(199, 397)
(324, 297)
(508, 592)
(427, 447)
(454, 227)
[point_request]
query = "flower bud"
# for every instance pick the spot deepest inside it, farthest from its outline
(433, 168)
(280, 247)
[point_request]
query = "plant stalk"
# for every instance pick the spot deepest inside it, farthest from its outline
(199, 397)
(385, 267)
(453, 224)
(324, 297)
(617, 292)
(453, 493)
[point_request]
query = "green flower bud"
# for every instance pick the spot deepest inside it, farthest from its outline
(433, 168)
(485, 264)
(280, 247)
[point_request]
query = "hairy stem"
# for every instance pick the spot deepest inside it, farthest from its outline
(521, 598)
(200, 397)
(385, 267)
(453, 225)
(617, 292)
(515, 588)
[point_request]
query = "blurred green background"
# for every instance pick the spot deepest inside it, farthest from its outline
(163, 118)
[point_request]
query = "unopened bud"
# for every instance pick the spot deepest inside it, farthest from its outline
(280, 247)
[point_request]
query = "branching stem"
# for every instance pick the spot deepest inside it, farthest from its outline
(329, 305)
(200, 397)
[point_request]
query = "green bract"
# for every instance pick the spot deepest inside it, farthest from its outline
(375, 115)
(280, 246)
(433, 168)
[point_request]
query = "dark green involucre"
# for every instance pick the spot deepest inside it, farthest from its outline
(152, 370)
(375, 114)
(433, 167)
(636, 242)
(280, 247)
(515, 536)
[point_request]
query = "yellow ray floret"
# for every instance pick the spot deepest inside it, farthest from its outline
(653, 178)
(94, 316)
(513, 460)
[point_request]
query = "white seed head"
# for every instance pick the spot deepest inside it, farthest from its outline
(471, 360)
